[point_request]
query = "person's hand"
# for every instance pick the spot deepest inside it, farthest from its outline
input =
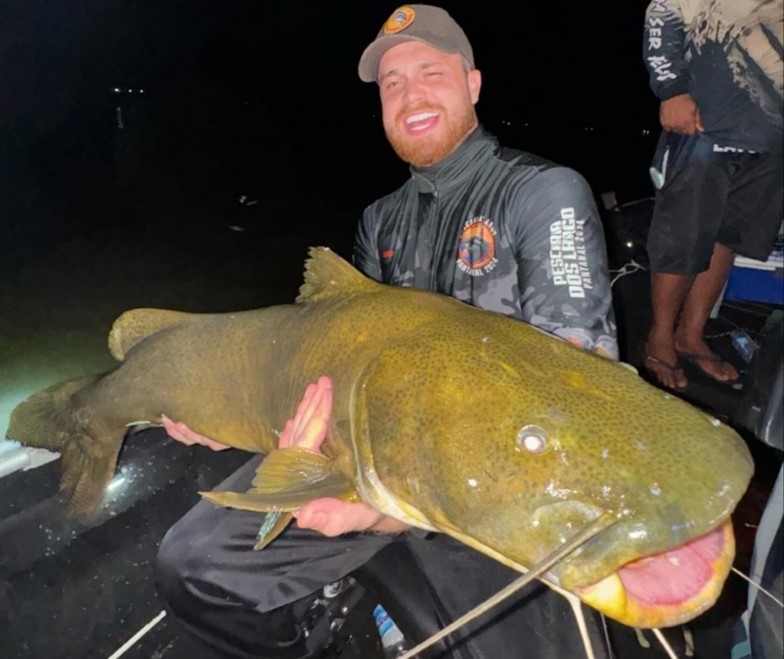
(680, 114)
(178, 431)
(308, 430)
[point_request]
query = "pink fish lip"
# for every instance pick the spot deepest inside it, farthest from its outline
(421, 122)
(668, 588)
(675, 575)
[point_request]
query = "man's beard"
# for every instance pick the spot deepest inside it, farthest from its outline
(430, 149)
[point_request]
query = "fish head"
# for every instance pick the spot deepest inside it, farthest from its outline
(512, 444)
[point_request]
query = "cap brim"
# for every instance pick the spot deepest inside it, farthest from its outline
(368, 63)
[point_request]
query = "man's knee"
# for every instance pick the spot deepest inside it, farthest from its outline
(175, 566)
(211, 618)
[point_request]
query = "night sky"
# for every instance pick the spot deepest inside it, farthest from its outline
(237, 93)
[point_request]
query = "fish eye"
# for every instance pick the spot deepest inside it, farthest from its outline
(532, 439)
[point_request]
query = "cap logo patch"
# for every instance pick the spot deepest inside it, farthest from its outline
(400, 19)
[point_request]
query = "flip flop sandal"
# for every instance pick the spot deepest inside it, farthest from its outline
(670, 367)
(695, 359)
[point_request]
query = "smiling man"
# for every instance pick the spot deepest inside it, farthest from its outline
(497, 228)
(427, 99)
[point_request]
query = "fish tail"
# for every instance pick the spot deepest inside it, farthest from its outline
(49, 420)
(41, 421)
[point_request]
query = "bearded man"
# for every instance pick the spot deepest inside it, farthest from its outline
(497, 228)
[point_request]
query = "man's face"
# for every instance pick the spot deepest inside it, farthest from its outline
(427, 101)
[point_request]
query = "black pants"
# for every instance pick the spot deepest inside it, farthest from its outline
(242, 603)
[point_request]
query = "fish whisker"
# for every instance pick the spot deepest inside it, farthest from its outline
(759, 587)
(606, 634)
(595, 527)
(664, 643)
(688, 639)
(644, 642)
(579, 616)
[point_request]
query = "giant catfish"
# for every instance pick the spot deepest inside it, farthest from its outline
(445, 416)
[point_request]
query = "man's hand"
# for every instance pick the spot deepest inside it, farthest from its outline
(680, 114)
(178, 431)
(329, 516)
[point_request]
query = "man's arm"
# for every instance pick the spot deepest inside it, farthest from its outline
(562, 270)
(664, 51)
(308, 430)
(365, 257)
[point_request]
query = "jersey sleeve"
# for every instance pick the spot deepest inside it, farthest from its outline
(663, 49)
(563, 276)
(365, 256)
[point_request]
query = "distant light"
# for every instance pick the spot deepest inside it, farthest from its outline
(130, 91)
(141, 91)
(116, 90)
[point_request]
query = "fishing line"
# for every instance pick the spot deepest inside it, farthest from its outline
(598, 525)
(627, 269)
(758, 587)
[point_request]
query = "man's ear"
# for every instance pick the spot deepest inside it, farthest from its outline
(474, 84)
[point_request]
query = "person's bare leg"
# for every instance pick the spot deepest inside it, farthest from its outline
(689, 334)
(668, 295)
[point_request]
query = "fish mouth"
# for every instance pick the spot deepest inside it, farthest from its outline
(669, 588)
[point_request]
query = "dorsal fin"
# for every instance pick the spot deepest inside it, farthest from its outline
(137, 324)
(328, 275)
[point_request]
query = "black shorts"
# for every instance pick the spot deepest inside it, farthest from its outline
(707, 195)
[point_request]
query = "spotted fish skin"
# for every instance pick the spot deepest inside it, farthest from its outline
(445, 416)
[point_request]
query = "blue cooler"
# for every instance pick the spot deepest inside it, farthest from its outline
(758, 281)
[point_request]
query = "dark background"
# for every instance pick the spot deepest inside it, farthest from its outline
(263, 99)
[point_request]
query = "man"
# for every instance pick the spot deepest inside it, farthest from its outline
(716, 66)
(500, 229)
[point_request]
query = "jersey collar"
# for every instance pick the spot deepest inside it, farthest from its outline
(457, 166)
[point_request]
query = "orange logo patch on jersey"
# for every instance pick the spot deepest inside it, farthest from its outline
(477, 245)
(400, 19)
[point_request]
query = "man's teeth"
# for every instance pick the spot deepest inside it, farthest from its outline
(422, 116)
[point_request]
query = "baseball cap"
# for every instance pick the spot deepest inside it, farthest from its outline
(425, 23)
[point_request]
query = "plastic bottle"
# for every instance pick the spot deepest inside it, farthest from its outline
(744, 344)
(393, 642)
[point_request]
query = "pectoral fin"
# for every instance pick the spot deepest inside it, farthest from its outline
(274, 524)
(286, 480)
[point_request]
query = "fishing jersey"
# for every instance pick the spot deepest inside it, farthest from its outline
(727, 55)
(502, 230)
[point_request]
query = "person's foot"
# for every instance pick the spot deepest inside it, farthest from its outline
(665, 366)
(711, 364)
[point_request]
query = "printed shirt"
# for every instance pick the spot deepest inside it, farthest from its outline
(727, 55)
(502, 230)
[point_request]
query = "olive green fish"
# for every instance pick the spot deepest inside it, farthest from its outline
(445, 416)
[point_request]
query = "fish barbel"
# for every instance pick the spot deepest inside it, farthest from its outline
(445, 416)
